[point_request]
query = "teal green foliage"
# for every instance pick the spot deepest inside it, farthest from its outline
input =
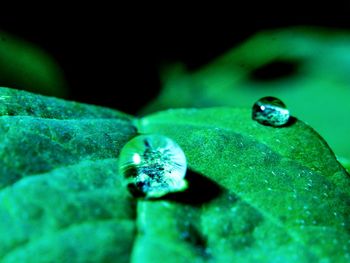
(307, 68)
(284, 197)
(26, 66)
(256, 193)
(61, 199)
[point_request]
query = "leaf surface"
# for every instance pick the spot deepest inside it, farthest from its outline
(61, 198)
(256, 193)
(283, 196)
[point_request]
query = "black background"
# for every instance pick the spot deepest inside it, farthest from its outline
(111, 56)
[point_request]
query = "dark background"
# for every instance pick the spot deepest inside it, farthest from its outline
(112, 57)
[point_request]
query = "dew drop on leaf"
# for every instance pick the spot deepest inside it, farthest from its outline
(270, 111)
(153, 165)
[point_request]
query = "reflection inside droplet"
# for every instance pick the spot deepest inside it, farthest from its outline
(270, 111)
(153, 165)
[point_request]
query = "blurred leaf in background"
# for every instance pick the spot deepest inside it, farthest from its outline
(308, 68)
(25, 66)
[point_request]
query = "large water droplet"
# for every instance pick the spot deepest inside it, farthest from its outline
(153, 165)
(270, 111)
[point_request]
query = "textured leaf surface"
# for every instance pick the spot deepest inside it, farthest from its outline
(256, 193)
(61, 199)
(283, 196)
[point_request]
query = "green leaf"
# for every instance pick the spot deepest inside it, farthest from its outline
(26, 66)
(275, 194)
(305, 67)
(61, 198)
(256, 193)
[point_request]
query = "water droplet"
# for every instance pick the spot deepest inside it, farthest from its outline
(153, 165)
(270, 111)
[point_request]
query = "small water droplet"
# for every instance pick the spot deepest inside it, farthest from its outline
(270, 111)
(153, 165)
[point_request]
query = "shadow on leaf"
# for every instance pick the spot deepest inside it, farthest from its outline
(292, 120)
(200, 190)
